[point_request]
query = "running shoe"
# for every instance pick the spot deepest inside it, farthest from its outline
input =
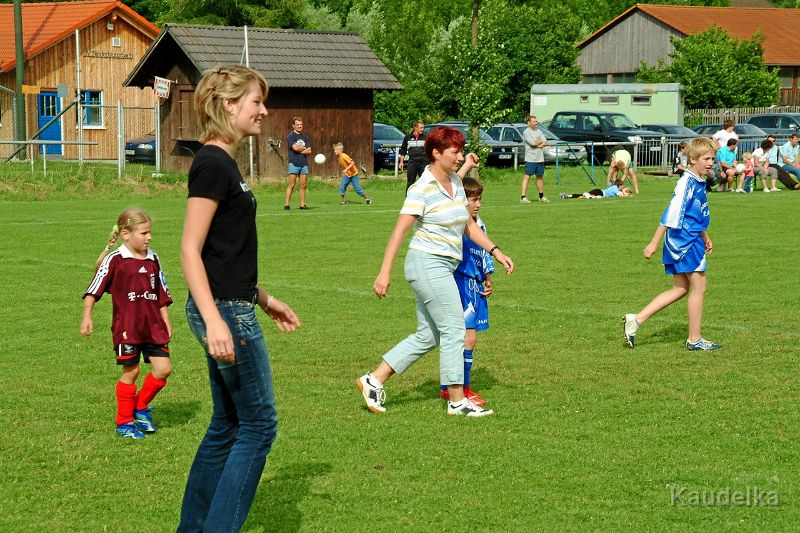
(373, 393)
(467, 408)
(630, 328)
(474, 397)
(702, 344)
(129, 431)
(524, 200)
(143, 418)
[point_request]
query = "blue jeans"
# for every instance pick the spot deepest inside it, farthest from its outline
(792, 170)
(227, 468)
(356, 186)
(440, 317)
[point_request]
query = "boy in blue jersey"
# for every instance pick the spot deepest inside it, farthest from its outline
(683, 226)
(474, 280)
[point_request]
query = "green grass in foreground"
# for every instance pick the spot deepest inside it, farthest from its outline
(587, 435)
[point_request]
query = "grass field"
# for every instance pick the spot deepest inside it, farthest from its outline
(587, 435)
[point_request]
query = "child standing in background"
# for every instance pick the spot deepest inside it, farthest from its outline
(473, 277)
(132, 275)
(349, 174)
(746, 178)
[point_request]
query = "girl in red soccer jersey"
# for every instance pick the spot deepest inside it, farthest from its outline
(132, 275)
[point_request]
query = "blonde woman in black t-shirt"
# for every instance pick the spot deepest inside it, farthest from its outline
(219, 257)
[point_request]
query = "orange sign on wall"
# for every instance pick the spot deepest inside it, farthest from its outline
(31, 89)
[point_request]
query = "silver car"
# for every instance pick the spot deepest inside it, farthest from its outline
(566, 152)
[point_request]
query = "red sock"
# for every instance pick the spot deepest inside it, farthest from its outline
(126, 399)
(150, 388)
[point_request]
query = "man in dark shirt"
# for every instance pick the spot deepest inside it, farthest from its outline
(299, 148)
(413, 149)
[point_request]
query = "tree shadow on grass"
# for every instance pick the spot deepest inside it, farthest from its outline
(174, 414)
(277, 503)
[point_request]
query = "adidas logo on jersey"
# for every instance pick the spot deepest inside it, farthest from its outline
(143, 270)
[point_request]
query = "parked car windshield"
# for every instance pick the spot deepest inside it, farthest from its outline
(670, 130)
(749, 129)
(383, 131)
(618, 122)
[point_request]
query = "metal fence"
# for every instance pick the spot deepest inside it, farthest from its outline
(102, 138)
(695, 117)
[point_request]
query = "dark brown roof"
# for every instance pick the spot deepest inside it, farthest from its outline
(778, 25)
(287, 58)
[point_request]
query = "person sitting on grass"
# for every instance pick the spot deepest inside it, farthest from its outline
(763, 167)
(621, 162)
(349, 175)
(616, 189)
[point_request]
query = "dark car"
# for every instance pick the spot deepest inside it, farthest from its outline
(783, 124)
(566, 152)
(673, 130)
(750, 136)
(385, 140)
(598, 126)
(141, 149)
(501, 154)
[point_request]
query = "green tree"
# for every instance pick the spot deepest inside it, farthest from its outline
(717, 70)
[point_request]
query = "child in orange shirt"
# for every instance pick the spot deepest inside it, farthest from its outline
(349, 174)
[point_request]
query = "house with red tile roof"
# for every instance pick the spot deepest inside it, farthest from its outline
(642, 33)
(88, 46)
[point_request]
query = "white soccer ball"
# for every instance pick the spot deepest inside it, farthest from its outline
(740, 167)
(319, 159)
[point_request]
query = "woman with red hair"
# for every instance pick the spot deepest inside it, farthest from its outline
(436, 206)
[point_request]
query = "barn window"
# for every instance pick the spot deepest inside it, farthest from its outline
(641, 99)
(584, 98)
(609, 99)
(92, 102)
(787, 77)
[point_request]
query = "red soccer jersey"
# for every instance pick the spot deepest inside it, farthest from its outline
(138, 291)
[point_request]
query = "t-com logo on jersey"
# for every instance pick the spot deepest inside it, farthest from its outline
(146, 295)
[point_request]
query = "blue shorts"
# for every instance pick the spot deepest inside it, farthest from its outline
(534, 169)
(693, 261)
(298, 170)
(476, 310)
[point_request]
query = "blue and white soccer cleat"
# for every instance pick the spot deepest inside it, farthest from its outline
(129, 431)
(702, 344)
(630, 327)
(143, 419)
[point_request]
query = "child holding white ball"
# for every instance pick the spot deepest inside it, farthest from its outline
(132, 275)
(349, 174)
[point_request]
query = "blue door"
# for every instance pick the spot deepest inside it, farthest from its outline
(49, 107)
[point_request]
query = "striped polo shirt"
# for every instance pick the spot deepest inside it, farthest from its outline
(440, 218)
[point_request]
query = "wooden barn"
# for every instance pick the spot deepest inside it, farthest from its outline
(111, 38)
(642, 33)
(327, 78)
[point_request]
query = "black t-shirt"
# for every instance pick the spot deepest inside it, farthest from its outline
(230, 251)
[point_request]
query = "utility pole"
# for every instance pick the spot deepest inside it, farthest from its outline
(19, 134)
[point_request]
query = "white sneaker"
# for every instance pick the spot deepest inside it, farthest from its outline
(739, 190)
(630, 328)
(373, 393)
(766, 190)
(544, 200)
(774, 189)
(524, 200)
(467, 408)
